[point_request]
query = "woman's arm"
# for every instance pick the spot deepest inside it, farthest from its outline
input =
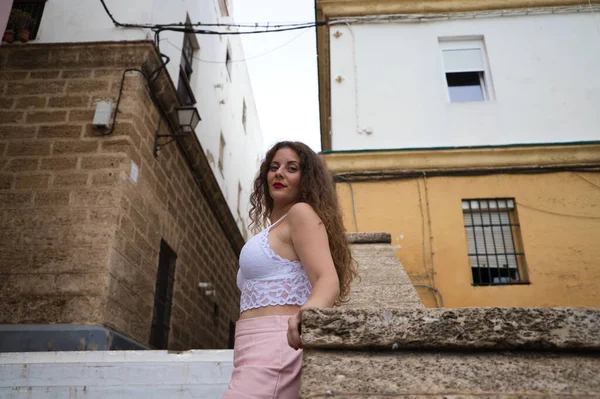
(309, 238)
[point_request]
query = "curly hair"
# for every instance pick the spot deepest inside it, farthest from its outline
(317, 190)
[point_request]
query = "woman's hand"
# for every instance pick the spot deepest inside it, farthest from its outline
(293, 334)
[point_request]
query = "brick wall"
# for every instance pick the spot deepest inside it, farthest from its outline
(79, 238)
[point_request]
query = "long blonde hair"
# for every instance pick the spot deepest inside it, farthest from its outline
(317, 190)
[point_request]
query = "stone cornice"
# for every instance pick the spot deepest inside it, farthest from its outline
(352, 8)
(555, 329)
(473, 158)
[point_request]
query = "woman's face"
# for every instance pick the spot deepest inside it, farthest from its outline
(283, 177)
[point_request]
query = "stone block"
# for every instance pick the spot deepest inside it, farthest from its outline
(15, 200)
(46, 116)
(7, 103)
(87, 86)
(89, 235)
(48, 236)
(59, 163)
(29, 285)
(32, 181)
(102, 162)
(18, 165)
(74, 147)
(83, 310)
(350, 374)
(12, 117)
(35, 88)
(68, 101)
(52, 198)
(60, 131)
(8, 132)
(28, 148)
(93, 284)
(70, 180)
(76, 74)
(78, 115)
(452, 329)
(10, 310)
(44, 74)
(104, 216)
(31, 102)
(106, 197)
(42, 309)
(14, 259)
(7, 181)
(369, 238)
(105, 178)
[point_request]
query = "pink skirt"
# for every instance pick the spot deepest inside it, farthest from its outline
(265, 366)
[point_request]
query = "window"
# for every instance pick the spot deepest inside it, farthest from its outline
(224, 8)
(221, 153)
(184, 88)
(228, 61)
(244, 111)
(494, 241)
(163, 297)
(35, 9)
(466, 70)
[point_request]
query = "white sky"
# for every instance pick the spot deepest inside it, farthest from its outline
(284, 81)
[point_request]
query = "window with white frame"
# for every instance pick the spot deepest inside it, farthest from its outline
(466, 70)
(494, 241)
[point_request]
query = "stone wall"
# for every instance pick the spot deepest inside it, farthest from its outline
(451, 353)
(384, 343)
(383, 281)
(79, 237)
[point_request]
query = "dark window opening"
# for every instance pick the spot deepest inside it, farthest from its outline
(465, 86)
(35, 8)
(163, 297)
(494, 241)
(184, 88)
(231, 341)
(228, 62)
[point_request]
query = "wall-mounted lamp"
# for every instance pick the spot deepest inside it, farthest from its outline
(187, 117)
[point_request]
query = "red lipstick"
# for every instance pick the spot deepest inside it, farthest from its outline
(278, 185)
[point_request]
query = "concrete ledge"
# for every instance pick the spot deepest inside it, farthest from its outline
(572, 329)
(369, 238)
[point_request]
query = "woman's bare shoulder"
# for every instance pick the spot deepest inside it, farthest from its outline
(302, 214)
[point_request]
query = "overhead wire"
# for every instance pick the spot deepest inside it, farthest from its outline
(189, 27)
(243, 59)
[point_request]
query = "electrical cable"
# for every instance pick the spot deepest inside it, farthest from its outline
(590, 182)
(434, 289)
(243, 59)
(185, 27)
(557, 213)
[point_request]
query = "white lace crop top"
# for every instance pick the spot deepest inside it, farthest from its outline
(266, 278)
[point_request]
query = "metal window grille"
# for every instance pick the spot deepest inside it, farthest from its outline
(163, 297)
(493, 236)
(35, 8)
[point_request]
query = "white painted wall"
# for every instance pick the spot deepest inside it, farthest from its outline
(545, 70)
(115, 374)
(219, 97)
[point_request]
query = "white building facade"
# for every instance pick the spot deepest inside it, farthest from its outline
(214, 69)
(484, 78)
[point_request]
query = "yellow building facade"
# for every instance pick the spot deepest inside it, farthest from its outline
(557, 212)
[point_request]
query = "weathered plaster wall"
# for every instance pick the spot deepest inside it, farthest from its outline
(560, 225)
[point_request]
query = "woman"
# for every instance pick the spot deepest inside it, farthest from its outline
(302, 260)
